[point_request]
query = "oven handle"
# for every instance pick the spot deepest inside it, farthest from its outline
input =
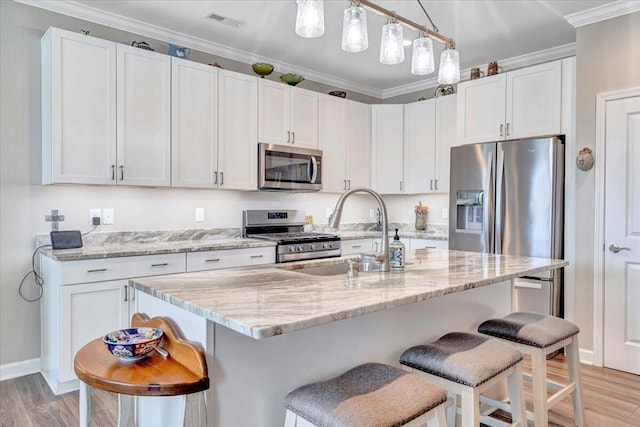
(314, 167)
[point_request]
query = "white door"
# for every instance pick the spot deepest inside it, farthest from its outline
(622, 235)
(419, 146)
(332, 133)
(358, 145)
(303, 118)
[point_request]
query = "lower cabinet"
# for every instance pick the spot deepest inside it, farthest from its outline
(213, 260)
(357, 246)
(428, 243)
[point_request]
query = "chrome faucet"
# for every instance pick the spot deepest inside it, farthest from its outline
(334, 222)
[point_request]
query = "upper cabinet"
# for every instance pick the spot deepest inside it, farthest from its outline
(287, 115)
(517, 104)
(78, 109)
(344, 138)
(387, 137)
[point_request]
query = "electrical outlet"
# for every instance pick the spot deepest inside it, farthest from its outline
(445, 213)
(329, 211)
(372, 213)
(107, 215)
(199, 214)
(94, 213)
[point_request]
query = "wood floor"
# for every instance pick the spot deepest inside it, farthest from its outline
(612, 399)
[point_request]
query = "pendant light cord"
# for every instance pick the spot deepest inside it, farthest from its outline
(428, 17)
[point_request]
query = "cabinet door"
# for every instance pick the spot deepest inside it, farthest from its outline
(332, 119)
(428, 243)
(144, 117)
(446, 137)
(534, 99)
(273, 112)
(194, 124)
(303, 118)
(88, 311)
(358, 145)
(481, 109)
(419, 146)
(78, 108)
(350, 247)
(238, 132)
(386, 146)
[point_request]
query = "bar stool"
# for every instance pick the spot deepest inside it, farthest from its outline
(538, 335)
(182, 373)
(467, 365)
(369, 395)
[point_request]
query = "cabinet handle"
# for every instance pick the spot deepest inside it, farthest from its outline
(356, 246)
(375, 245)
(400, 185)
(508, 128)
(436, 184)
(113, 172)
(293, 137)
(126, 293)
(97, 270)
(501, 130)
(121, 172)
(256, 256)
(163, 264)
(213, 260)
(221, 178)
(349, 181)
(431, 184)
(132, 295)
(288, 136)
(429, 247)
(216, 178)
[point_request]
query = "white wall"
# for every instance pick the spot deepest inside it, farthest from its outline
(24, 202)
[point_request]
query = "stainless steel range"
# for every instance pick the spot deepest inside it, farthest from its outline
(286, 227)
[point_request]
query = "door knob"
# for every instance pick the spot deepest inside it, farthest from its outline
(615, 248)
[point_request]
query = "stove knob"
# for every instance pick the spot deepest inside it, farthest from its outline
(327, 245)
(292, 248)
(300, 248)
(312, 247)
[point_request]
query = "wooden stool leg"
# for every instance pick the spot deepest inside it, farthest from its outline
(126, 404)
(196, 410)
(470, 399)
(516, 396)
(452, 410)
(573, 365)
(539, 385)
(84, 404)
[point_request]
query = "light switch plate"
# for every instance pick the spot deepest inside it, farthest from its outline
(107, 215)
(199, 214)
(445, 213)
(329, 211)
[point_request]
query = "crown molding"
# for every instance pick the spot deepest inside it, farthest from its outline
(533, 58)
(602, 13)
(91, 14)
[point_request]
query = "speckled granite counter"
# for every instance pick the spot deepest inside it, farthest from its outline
(266, 301)
(404, 234)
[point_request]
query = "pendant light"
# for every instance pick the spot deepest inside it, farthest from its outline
(391, 47)
(449, 72)
(310, 18)
(422, 56)
(354, 29)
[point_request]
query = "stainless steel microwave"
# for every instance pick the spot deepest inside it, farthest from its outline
(289, 168)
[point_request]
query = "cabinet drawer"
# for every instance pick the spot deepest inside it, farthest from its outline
(429, 243)
(357, 246)
(100, 270)
(213, 260)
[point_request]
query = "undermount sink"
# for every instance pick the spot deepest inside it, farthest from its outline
(338, 269)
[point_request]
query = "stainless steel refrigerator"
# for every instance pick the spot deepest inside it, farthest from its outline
(507, 198)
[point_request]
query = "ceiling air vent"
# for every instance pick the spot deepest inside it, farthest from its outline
(224, 20)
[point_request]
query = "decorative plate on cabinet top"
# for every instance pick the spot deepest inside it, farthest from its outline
(291, 79)
(262, 69)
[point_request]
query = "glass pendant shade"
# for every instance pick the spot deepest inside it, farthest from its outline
(354, 29)
(310, 18)
(449, 72)
(391, 48)
(422, 57)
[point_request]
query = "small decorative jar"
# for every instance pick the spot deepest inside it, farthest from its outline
(421, 220)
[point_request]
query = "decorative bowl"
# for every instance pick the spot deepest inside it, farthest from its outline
(338, 93)
(262, 69)
(179, 51)
(291, 79)
(132, 343)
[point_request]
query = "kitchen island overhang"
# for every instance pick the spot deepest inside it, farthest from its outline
(267, 330)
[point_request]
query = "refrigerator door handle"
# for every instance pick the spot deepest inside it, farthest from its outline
(499, 222)
(488, 206)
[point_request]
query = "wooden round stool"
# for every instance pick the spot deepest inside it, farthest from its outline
(181, 372)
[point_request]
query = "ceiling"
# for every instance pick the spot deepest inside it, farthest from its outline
(482, 30)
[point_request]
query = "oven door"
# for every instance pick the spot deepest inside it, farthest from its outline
(289, 168)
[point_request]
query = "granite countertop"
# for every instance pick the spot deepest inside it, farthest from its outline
(405, 234)
(265, 301)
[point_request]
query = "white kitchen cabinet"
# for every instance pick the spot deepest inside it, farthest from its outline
(78, 108)
(419, 146)
(194, 124)
(428, 243)
(357, 246)
(287, 115)
(446, 137)
(214, 260)
(85, 299)
(143, 93)
(387, 137)
(237, 131)
(517, 104)
(343, 137)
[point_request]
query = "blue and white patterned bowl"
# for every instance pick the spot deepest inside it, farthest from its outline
(132, 343)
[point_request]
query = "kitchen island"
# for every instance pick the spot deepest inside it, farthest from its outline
(269, 329)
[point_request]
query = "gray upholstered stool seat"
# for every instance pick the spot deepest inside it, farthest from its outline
(538, 335)
(464, 358)
(468, 365)
(532, 329)
(371, 395)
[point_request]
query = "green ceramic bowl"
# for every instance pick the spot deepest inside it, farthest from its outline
(262, 69)
(291, 79)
